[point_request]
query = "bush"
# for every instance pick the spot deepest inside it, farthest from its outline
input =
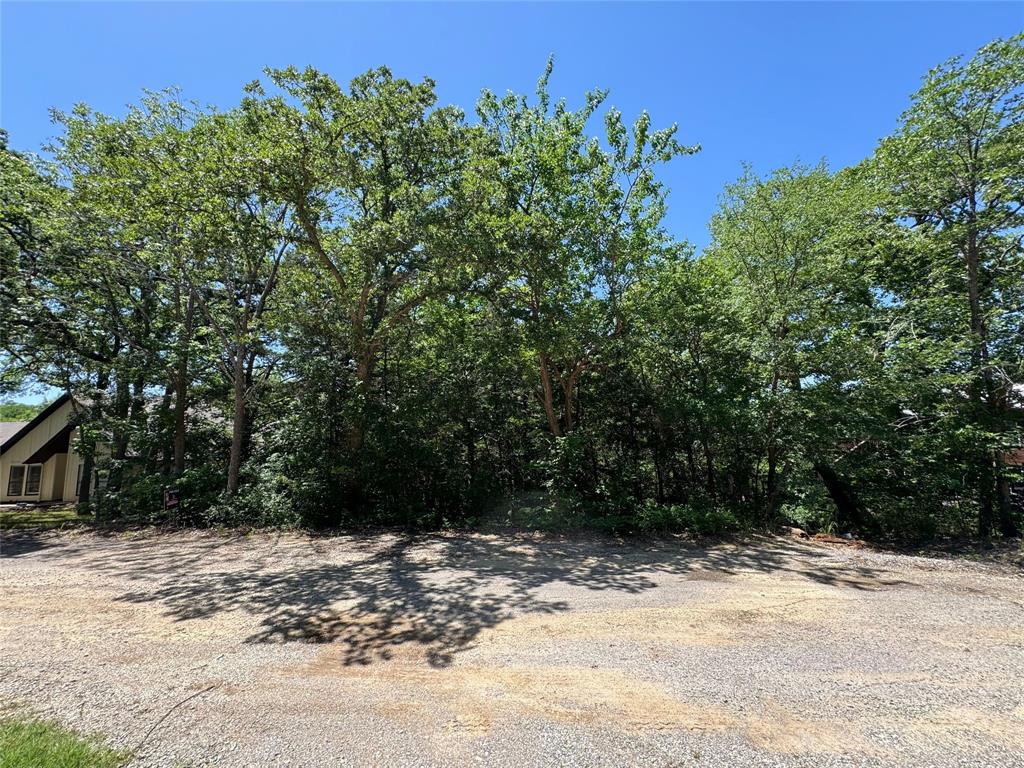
(809, 518)
(143, 498)
(265, 499)
(583, 487)
(702, 517)
(200, 488)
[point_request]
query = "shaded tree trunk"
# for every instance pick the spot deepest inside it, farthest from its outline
(1007, 526)
(772, 481)
(89, 446)
(122, 405)
(181, 388)
(365, 366)
(709, 468)
(984, 390)
(162, 460)
(88, 465)
(548, 396)
(849, 512)
(238, 424)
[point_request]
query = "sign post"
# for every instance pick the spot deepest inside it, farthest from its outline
(172, 498)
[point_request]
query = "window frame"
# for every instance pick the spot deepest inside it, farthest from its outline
(37, 470)
(17, 491)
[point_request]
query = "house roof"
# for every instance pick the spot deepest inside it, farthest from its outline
(9, 429)
(59, 443)
(10, 441)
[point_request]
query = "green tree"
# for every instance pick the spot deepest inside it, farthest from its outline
(371, 180)
(19, 411)
(796, 248)
(237, 242)
(953, 174)
(569, 225)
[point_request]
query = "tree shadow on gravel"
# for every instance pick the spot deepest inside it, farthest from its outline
(377, 597)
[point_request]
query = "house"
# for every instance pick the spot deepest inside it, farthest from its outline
(38, 462)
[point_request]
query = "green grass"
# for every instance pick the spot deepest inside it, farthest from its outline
(39, 517)
(31, 743)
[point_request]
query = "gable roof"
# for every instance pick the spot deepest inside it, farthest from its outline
(59, 443)
(9, 429)
(12, 440)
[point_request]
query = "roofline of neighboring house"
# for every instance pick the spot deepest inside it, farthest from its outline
(40, 417)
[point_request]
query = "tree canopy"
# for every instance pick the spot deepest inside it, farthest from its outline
(347, 304)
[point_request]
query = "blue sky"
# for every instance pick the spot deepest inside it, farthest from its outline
(763, 83)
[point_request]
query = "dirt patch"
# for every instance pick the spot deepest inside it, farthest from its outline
(477, 696)
(469, 700)
(737, 616)
(964, 725)
(778, 730)
(969, 637)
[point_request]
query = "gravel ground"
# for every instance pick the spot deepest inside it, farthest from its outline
(199, 649)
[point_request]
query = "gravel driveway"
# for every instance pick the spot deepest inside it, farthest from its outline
(510, 650)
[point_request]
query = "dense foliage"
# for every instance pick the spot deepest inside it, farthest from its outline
(338, 306)
(18, 411)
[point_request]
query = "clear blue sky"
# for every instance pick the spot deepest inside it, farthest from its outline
(763, 83)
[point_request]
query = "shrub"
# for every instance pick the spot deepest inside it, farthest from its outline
(265, 499)
(703, 517)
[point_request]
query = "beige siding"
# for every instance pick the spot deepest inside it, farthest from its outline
(52, 470)
(71, 474)
(55, 490)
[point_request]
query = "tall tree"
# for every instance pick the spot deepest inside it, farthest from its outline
(371, 179)
(239, 240)
(795, 249)
(570, 224)
(954, 173)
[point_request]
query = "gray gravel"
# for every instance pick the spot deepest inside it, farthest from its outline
(200, 649)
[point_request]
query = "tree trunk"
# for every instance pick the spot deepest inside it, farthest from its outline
(979, 344)
(364, 373)
(162, 460)
(709, 468)
(181, 388)
(89, 448)
(122, 404)
(548, 396)
(180, 407)
(1007, 526)
(849, 511)
(470, 443)
(238, 425)
(984, 389)
(986, 514)
(567, 390)
(88, 463)
(772, 481)
(691, 461)
(137, 416)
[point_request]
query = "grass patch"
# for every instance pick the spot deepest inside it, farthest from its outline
(40, 517)
(31, 743)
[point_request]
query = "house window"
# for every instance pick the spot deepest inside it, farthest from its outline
(16, 480)
(24, 480)
(32, 479)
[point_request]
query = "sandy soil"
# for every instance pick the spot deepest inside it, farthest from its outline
(199, 649)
